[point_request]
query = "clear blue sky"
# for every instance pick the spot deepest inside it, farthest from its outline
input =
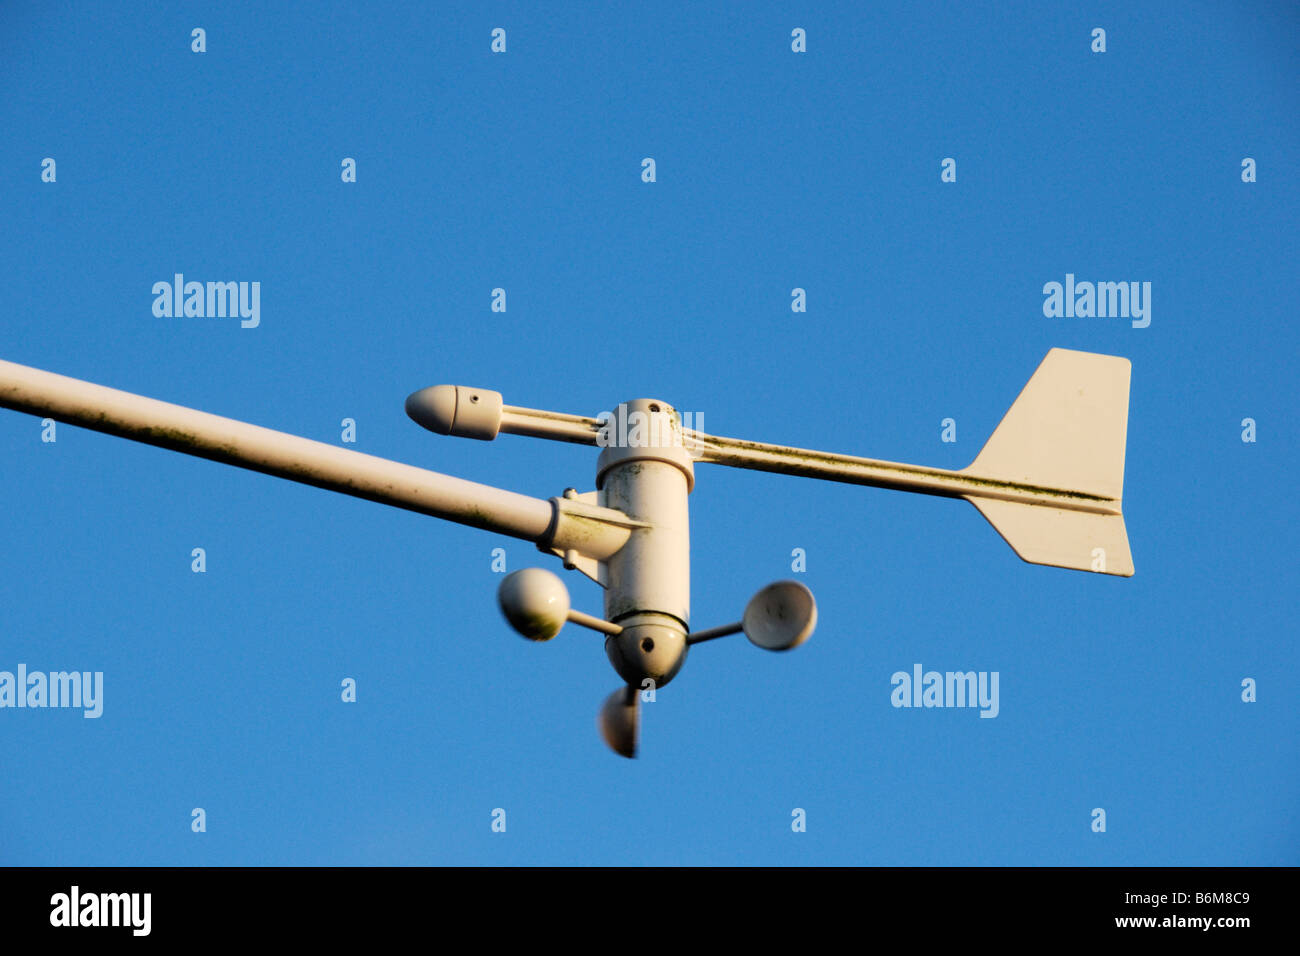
(775, 170)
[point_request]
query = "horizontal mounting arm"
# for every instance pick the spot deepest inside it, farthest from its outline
(126, 415)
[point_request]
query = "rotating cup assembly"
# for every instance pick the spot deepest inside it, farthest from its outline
(536, 603)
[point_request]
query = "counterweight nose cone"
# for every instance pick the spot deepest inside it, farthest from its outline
(620, 721)
(433, 408)
(457, 410)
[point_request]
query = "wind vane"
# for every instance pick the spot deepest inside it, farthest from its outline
(1049, 480)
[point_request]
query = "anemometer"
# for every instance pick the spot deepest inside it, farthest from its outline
(1050, 480)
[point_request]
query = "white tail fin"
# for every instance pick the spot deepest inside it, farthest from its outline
(1061, 538)
(1066, 431)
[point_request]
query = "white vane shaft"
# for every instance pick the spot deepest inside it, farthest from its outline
(829, 466)
(887, 474)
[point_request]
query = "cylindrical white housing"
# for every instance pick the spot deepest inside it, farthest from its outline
(646, 473)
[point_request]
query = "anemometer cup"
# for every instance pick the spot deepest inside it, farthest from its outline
(535, 602)
(780, 617)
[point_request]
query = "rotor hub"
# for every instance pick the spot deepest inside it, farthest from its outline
(651, 647)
